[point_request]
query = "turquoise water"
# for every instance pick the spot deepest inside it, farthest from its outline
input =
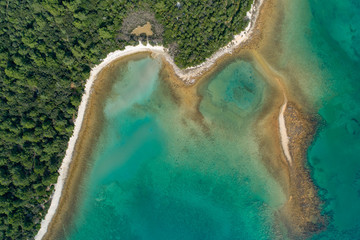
(335, 156)
(322, 38)
(159, 175)
(156, 174)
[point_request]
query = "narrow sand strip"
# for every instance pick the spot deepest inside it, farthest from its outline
(187, 75)
(278, 79)
(283, 133)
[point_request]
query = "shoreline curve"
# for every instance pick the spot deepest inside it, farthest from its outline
(187, 75)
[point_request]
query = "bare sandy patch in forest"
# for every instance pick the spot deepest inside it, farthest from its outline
(143, 29)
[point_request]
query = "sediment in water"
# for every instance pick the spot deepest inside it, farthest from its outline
(88, 136)
(302, 212)
(291, 179)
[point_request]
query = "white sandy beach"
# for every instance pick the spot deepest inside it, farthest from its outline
(187, 75)
(283, 133)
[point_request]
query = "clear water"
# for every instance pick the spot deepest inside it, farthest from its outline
(335, 156)
(158, 175)
(322, 39)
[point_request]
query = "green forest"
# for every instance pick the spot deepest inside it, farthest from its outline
(47, 50)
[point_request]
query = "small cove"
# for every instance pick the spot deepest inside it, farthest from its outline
(157, 175)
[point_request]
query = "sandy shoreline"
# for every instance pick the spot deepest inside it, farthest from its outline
(300, 211)
(188, 75)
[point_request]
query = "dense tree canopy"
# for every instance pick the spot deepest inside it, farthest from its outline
(47, 50)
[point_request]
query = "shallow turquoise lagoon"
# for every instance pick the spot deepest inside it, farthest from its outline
(158, 175)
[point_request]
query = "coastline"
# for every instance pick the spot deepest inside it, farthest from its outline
(300, 212)
(188, 76)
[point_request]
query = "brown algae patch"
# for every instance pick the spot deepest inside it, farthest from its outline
(301, 214)
(304, 203)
